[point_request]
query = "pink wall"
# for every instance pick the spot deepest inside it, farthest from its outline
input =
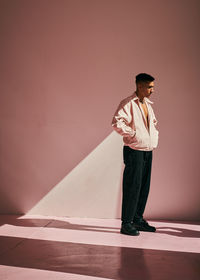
(66, 64)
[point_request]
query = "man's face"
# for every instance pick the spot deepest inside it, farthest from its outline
(148, 89)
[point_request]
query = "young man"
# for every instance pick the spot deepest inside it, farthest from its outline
(135, 121)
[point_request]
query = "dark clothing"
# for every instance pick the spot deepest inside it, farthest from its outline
(136, 183)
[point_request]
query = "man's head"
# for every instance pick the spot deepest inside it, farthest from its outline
(144, 85)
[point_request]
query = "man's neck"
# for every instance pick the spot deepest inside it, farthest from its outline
(141, 98)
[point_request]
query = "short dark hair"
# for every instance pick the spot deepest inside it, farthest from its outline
(143, 77)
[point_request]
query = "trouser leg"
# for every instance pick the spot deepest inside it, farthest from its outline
(144, 192)
(132, 181)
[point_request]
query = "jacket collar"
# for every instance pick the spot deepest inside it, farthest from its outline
(145, 98)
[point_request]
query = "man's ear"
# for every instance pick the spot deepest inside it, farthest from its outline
(139, 86)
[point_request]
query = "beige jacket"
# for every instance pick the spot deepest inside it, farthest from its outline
(130, 122)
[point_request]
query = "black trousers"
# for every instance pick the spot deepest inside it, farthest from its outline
(136, 183)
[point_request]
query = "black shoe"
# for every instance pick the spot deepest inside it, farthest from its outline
(129, 229)
(142, 225)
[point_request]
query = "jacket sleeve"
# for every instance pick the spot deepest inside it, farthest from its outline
(122, 120)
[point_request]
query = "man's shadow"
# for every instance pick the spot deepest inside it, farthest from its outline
(53, 223)
(179, 232)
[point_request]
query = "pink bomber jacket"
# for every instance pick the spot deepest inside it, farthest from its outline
(130, 122)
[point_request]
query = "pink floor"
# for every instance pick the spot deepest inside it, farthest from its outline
(54, 248)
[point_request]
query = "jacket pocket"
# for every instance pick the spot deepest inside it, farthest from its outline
(130, 139)
(154, 138)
